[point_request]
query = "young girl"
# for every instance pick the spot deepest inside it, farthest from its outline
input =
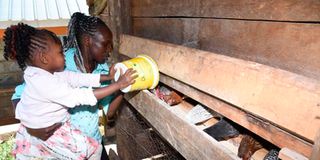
(49, 92)
(89, 44)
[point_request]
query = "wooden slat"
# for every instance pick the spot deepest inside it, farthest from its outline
(8, 120)
(7, 91)
(150, 8)
(9, 66)
(264, 91)
(262, 128)
(59, 30)
(289, 46)
(292, 47)
(126, 18)
(281, 10)
(189, 141)
(316, 148)
(10, 79)
(288, 154)
(182, 31)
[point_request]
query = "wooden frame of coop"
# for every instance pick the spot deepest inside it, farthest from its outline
(255, 63)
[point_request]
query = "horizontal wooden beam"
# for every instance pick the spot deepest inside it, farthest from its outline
(189, 141)
(289, 100)
(269, 43)
(316, 147)
(264, 129)
(8, 120)
(284, 10)
(288, 154)
(59, 30)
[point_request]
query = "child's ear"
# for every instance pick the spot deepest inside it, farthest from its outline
(43, 58)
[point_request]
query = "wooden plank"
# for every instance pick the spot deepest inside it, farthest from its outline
(262, 90)
(5, 102)
(6, 91)
(59, 30)
(166, 8)
(258, 126)
(11, 79)
(289, 46)
(112, 17)
(283, 10)
(316, 148)
(126, 18)
(287, 154)
(182, 31)
(189, 141)
(292, 47)
(8, 120)
(9, 66)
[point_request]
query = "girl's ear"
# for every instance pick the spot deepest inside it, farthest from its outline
(86, 40)
(43, 58)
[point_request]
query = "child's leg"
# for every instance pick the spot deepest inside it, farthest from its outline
(69, 143)
(66, 143)
(24, 147)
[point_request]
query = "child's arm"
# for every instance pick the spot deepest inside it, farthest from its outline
(125, 80)
(70, 97)
(75, 79)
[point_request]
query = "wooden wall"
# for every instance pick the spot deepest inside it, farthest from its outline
(10, 75)
(284, 34)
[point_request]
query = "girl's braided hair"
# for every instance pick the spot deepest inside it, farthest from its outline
(22, 40)
(79, 25)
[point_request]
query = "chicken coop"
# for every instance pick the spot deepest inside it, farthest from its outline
(240, 78)
(252, 64)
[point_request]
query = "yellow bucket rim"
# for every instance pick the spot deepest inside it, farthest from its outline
(155, 69)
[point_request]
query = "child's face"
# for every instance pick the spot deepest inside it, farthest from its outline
(101, 45)
(55, 56)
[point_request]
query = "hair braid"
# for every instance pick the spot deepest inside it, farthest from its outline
(22, 40)
(79, 25)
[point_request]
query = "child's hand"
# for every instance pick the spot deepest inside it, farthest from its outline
(44, 133)
(127, 78)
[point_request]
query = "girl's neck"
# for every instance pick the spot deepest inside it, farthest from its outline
(41, 66)
(89, 63)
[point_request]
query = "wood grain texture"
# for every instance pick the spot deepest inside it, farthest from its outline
(316, 148)
(261, 127)
(274, 94)
(289, 46)
(189, 141)
(292, 47)
(279, 10)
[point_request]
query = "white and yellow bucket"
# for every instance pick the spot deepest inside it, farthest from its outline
(147, 70)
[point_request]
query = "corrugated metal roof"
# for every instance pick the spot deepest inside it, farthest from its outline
(39, 13)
